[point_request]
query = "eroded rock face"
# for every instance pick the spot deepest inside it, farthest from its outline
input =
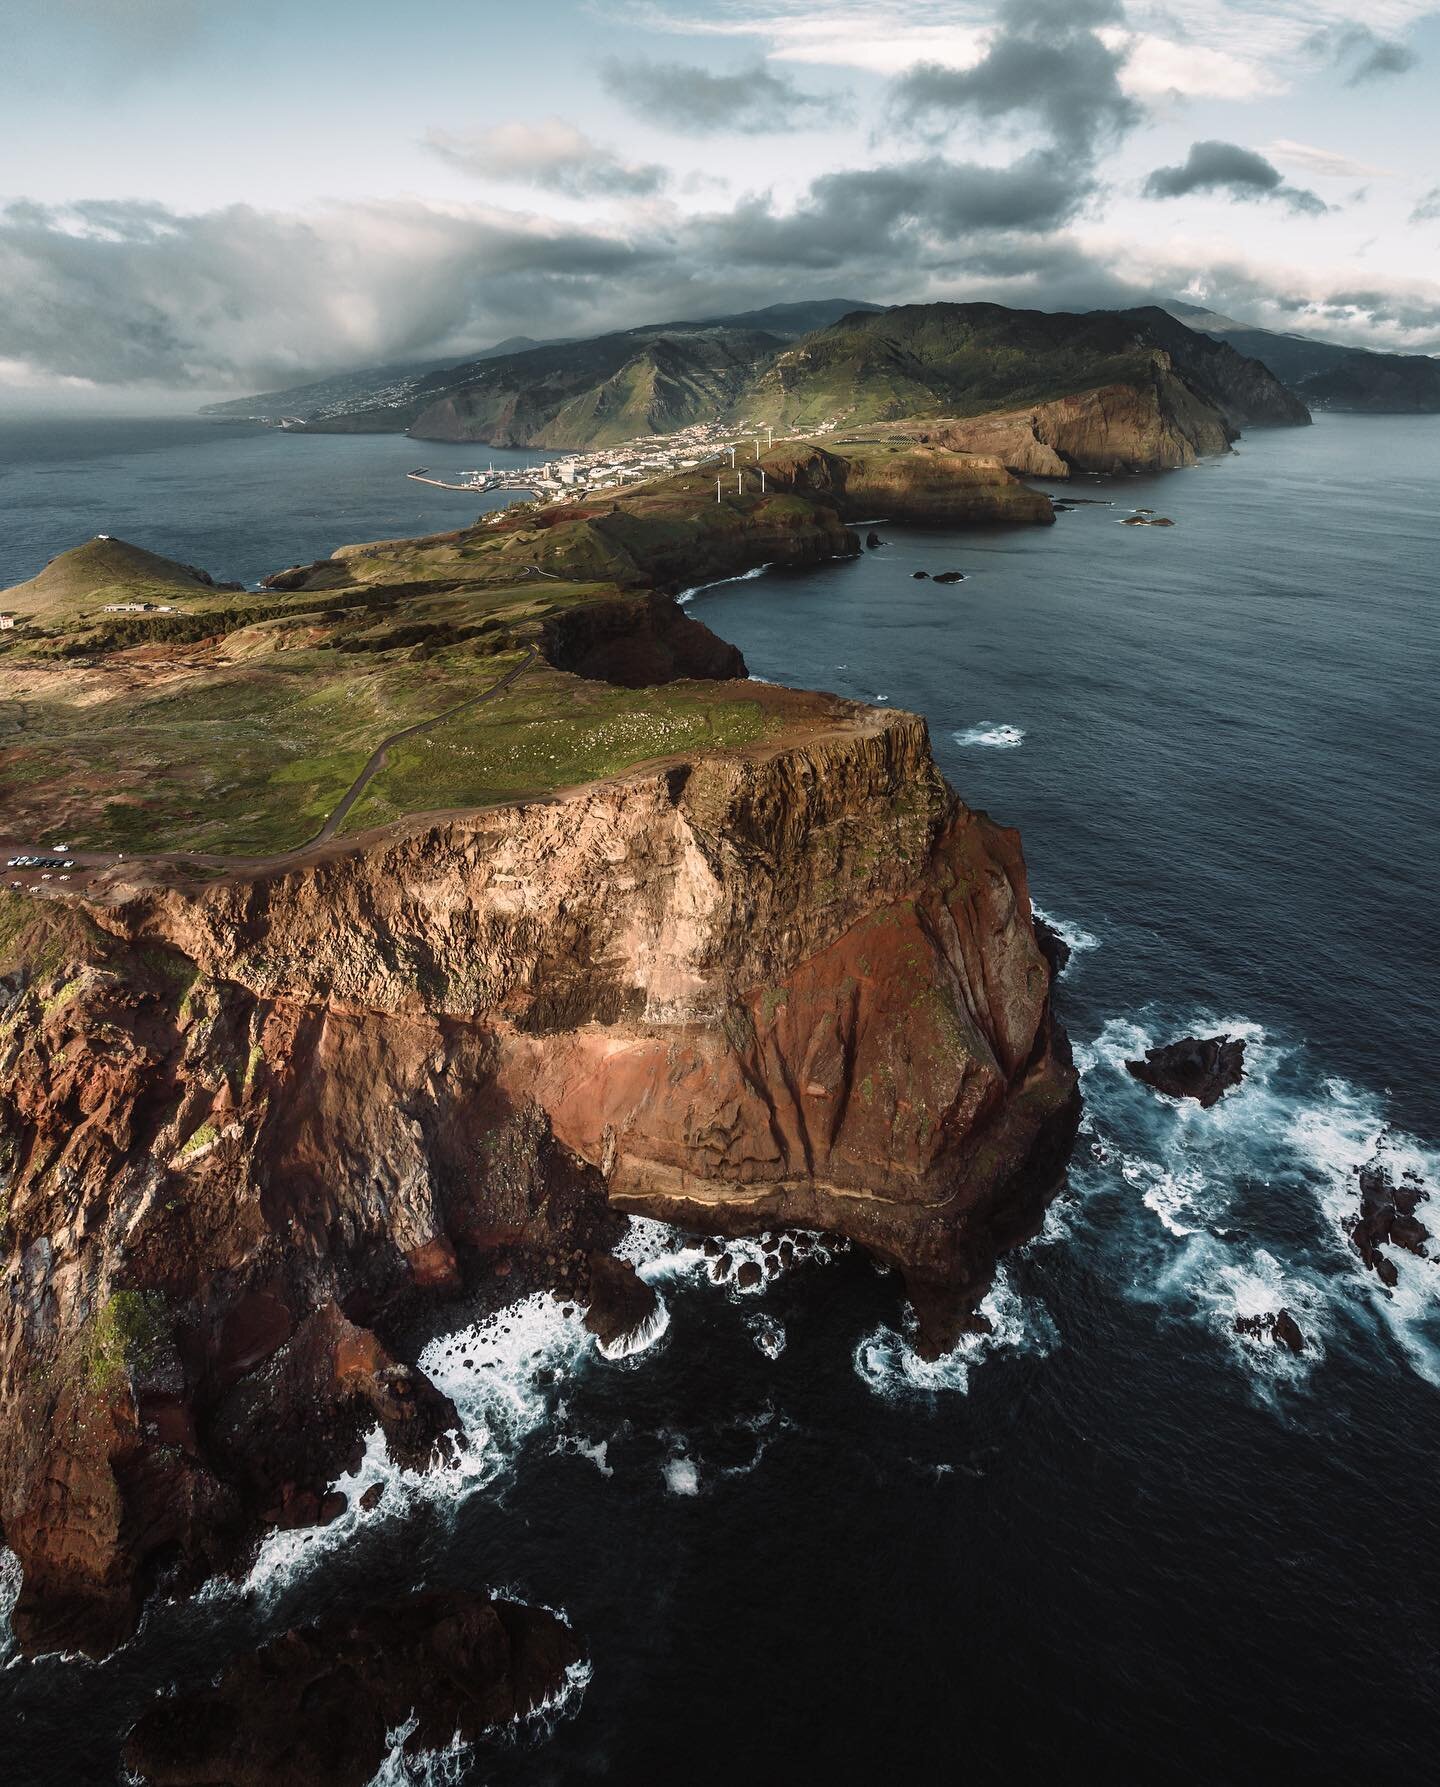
(1114, 428)
(1202, 1068)
(251, 1124)
(928, 482)
(313, 1708)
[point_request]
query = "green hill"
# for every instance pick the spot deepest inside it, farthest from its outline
(102, 571)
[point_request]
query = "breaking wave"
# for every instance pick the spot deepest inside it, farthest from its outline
(997, 737)
(687, 596)
(453, 1766)
(1250, 1202)
(887, 1363)
(1075, 937)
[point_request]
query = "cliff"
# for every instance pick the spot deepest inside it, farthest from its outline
(1157, 426)
(250, 1123)
(907, 479)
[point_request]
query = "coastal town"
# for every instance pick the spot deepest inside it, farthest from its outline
(577, 475)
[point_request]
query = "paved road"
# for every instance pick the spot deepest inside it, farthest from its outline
(89, 860)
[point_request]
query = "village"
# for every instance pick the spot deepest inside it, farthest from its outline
(578, 475)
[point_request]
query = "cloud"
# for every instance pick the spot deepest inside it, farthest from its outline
(130, 292)
(1324, 161)
(1428, 208)
(688, 98)
(1046, 60)
(928, 212)
(1226, 167)
(552, 155)
(1371, 57)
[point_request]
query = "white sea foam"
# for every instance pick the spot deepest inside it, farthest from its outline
(1282, 1150)
(681, 1476)
(597, 1451)
(997, 737)
(687, 596)
(1076, 938)
(505, 1375)
(888, 1364)
(768, 1335)
(449, 1767)
(660, 1253)
(454, 1765)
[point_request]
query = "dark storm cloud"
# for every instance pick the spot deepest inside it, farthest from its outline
(1226, 167)
(909, 213)
(1370, 57)
(241, 299)
(685, 97)
(115, 292)
(552, 155)
(1045, 61)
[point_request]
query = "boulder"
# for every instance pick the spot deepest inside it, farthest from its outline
(1202, 1068)
(1277, 1326)
(1387, 1217)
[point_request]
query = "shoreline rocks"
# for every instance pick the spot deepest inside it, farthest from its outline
(315, 1707)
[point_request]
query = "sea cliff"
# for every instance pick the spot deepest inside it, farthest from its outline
(624, 933)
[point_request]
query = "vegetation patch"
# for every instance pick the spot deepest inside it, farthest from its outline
(130, 1334)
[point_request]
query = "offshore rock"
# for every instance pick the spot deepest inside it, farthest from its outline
(254, 1127)
(1387, 1217)
(315, 1707)
(1195, 1067)
(1275, 1325)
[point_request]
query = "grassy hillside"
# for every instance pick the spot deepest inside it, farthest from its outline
(83, 580)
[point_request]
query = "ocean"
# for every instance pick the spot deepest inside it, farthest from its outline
(1113, 1538)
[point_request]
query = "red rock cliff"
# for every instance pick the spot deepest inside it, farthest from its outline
(247, 1122)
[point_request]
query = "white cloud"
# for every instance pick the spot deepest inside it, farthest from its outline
(1157, 67)
(1323, 161)
(553, 155)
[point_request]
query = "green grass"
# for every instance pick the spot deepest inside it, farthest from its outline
(130, 1333)
(552, 731)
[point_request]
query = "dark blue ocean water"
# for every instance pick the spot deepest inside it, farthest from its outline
(1113, 1540)
(237, 499)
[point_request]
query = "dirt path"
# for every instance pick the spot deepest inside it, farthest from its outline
(88, 861)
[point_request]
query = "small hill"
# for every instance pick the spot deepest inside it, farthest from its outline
(104, 570)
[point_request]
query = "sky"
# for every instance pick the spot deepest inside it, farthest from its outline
(198, 200)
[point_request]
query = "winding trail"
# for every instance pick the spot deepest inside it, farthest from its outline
(377, 757)
(91, 860)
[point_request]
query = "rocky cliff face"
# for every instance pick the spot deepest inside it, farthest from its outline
(1118, 428)
(248, 1125)
(908, 479)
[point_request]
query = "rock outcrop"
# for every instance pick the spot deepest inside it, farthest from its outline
(317, 1707)
(1157, 426)
(1387, 1218)
(1202, 1068)
(251, 1123)
(924, 481)
(1277, 1326)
